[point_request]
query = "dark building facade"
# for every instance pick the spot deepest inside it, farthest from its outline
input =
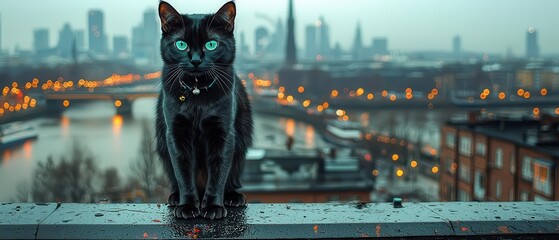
(502, 159)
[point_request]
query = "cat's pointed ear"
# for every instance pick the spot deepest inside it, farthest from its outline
(227, 15)
(170, 18)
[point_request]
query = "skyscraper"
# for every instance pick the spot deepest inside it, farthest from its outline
(261, 40)
(291, 49)
(0, 35)
(120, 46)
(96, 32)
(317, 42)
(456, 46)
(80, 40)
(380, 46)
(40, 40)
(310, 42)
(66, 41)
(357, 44)
(532, 48)
(145, 44)
(243, 48)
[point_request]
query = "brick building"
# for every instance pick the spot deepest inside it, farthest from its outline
(502, 158)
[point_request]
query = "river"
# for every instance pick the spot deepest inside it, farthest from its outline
(114, 140)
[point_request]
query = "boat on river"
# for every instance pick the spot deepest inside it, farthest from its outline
(16, 133)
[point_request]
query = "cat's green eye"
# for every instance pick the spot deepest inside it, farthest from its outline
(211, 45)
(181, 45)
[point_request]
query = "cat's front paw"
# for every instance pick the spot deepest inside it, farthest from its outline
(174, 199)
(186, 211)
(214, 212)
(234, 199)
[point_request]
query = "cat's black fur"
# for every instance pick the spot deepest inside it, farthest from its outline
(202, 139)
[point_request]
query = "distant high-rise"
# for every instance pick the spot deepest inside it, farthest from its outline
(41, 40)
(261, 40)
(145, 44)
(0, 35)
(96, 32)
(120, 46)
(291, 49)
(243, 48)
(80, 40)
(65, 41)
(310, 42)
(380, 46)
(357, 44)
(317, 41)
(532, 48)
(456, 45)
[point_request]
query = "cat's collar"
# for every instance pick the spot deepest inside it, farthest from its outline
(195, 90)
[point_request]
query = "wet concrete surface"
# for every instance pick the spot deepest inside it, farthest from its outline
(520, 220)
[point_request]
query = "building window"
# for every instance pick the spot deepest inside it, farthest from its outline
(464, 173)
(480, 149)
(498, 158)
(541, 179)
(450, 166)
(524, 196)
(512, 163)
(498, 189)
(465, 146)
(450, 192)
(463, 196)
(479, 185)
(527, 168)
(450, 139)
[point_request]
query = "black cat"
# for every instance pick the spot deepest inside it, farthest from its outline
(204, 121)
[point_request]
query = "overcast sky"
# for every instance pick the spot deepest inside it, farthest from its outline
(484, 25)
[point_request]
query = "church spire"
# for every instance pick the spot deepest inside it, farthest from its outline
(291, 49)
(357, 43)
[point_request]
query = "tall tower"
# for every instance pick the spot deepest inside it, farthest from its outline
(0, 35)
(96, 32)
(40, 40)
(262, 40)
(357, 43)
(65, 41)
(456, 45)
(291, 49)
(532, 48)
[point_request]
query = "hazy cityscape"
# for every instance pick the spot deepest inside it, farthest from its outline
(340, 115)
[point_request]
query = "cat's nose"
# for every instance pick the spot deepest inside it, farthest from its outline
(195, 60)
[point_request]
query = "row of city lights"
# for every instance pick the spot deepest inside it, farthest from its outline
(520, 92)
(23, 102)
(400, 172)
(14, 100)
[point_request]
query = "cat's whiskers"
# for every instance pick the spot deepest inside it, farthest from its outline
(174, 76)
(224, 72)
(220, 77)
(214, 77)
(164, 78)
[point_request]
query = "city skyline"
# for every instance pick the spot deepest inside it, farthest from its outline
(398, 26)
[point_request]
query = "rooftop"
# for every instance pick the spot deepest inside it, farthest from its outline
(452, 220)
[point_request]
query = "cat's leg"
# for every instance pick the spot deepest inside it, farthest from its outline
(232, 197)
(220, 144)
(180, 146)
(173, 199)
(163, 152)
(243, 140)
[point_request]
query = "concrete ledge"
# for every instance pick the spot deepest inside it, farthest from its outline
(452, 220)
